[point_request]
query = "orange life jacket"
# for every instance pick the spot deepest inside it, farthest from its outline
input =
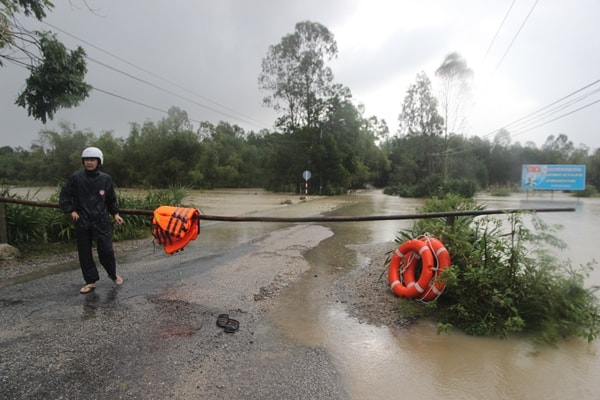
(175, 227)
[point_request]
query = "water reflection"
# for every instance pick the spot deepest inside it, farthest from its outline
(93, 302)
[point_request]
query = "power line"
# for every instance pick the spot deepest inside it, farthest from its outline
(245, 118)
(539, 115)
(136, 102)
(550, 112)
(530, 115)
(97, 89)
(557, 101)
(523, 124)
(516, 35)
(486, 83)
(164, 90)
(557, 118)
(498, 31)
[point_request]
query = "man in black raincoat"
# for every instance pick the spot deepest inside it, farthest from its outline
(89, 197)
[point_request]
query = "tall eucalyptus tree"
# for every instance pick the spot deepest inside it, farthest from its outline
(295, 73)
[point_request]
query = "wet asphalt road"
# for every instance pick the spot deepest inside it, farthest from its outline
(155, 337)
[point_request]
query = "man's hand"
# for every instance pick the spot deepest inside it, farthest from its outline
(118, 219)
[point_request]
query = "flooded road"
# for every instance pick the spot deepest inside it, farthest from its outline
(164, 315)
(416, 363)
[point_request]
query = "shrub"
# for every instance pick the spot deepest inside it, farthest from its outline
(589, 191)
(460, 187)
(504, 279)
(435, 186)
(139, 226)
(500, 191)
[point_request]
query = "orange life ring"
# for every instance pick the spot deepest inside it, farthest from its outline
(407, 255)
(442, 261)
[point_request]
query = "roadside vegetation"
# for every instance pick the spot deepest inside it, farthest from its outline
(41, 231)
(505, 278)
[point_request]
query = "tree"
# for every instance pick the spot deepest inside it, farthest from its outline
(420, 118)
(295, 73)
(56, 75)
(593, 169)
(502, 139)
(455, 84)
(501, 164)
(419, 111)
(558, 149)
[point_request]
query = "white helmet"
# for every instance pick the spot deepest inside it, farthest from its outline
(93, 152)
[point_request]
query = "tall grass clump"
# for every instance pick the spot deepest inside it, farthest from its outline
(505, 279)
(26, 224)
(35, 229)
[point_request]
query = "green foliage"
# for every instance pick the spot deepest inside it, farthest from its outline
(10, 34)
(460, 187)
(435, 186)
(504, 278)
(419, 116)
(56, 76)
(31, 226)
(321, 129)
(139, 226)
(36, 7)
(27, 224)
(57, 82)
(589, 191)
(294, 71)
(500, 191)
(341, 154)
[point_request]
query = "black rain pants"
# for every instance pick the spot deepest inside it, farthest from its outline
(106, 253)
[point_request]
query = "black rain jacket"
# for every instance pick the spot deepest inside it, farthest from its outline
(92, 195)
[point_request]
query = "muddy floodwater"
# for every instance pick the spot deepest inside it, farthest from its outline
(385, 362)
(389, 361)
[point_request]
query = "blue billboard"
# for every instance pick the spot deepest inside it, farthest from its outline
(553, 177)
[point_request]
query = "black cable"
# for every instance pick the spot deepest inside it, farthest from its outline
(246, 118)
(165, 90)
(498, 31)
(516, 35)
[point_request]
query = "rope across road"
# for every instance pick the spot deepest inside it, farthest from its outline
(450, 215)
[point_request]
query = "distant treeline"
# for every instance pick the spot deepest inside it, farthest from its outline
(341, 156)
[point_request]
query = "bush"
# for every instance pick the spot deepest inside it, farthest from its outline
(435, 186)
(460, 187)
(589, 191)
(139, 226)
(504, 280)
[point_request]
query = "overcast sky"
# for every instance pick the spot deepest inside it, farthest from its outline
(205, 58)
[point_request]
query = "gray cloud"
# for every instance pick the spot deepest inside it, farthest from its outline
(212, 51)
